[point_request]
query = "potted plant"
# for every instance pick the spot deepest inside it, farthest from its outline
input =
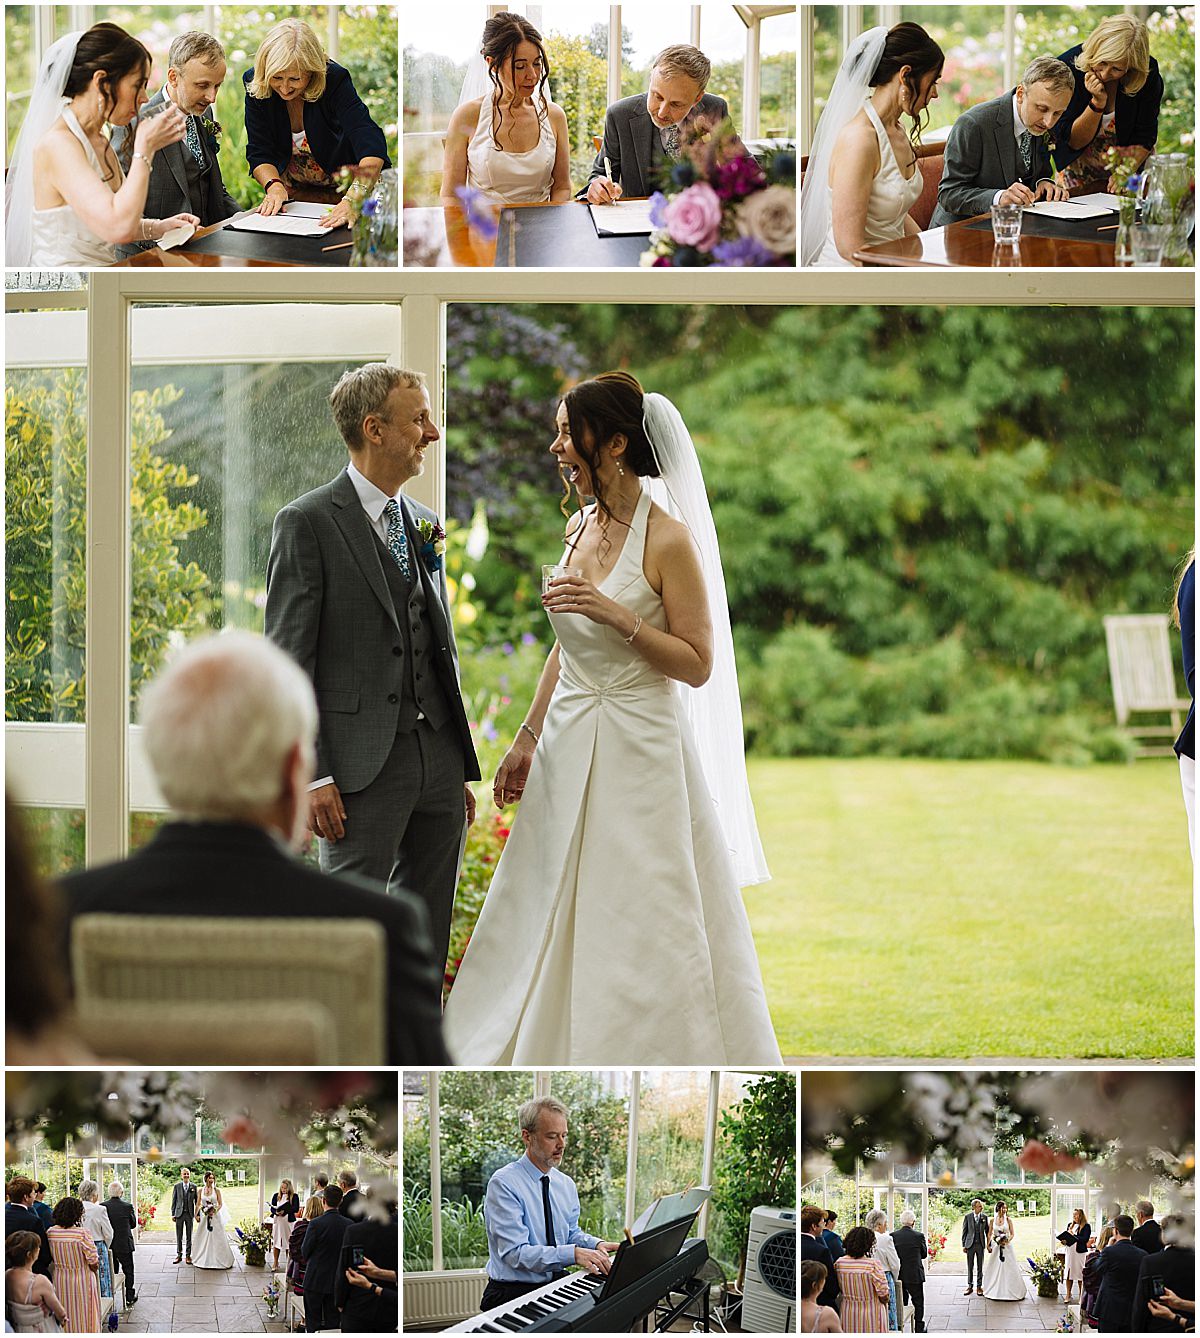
(1046, 1270)
(253, 1239)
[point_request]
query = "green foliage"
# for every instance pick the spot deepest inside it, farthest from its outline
(45, 535)
(580, 83)
(756, 1161)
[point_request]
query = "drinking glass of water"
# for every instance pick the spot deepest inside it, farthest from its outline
(1147, 241)
(1006, 224)
(556, 570)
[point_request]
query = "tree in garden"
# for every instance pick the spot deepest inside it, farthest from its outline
(756, 1157)
(45, 448)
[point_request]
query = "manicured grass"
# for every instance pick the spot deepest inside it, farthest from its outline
(240, 1201)
(975, 909)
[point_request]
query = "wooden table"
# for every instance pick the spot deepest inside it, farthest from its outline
(241, 250)
(961, 244)
(554, 235)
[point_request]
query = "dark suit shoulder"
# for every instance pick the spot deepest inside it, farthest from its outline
(317, 500)
(625, 107)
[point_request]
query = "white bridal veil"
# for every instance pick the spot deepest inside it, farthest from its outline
(851, 86)
(715, 710)
(45, 107)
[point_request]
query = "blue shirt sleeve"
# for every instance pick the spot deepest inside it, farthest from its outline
(574, 1235)
(509, 1238)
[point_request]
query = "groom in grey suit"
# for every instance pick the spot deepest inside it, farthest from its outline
(356, 594)
(185, 178)
(975, 1229)
(644, 132)
(998, 152)
(183, 1210)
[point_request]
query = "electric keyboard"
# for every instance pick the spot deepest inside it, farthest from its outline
(574, 1304)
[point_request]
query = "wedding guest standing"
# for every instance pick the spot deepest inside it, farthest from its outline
(31, 1296)
(830, 1236)
(304, 122)
(19, 1214)
(1185, 744)
(1118, 1271)
(321, 1250)
(285, 1208)
(40, 1206)
(295, 1269)
(815, 1317)
(1147, 1235)
(124, 1225)
(885, 1252)
(68, 202)
(76, 1262)
(506, 137)
(96, 1220)
(862, 176)
(1118, 92)
(1079, 1233)
(861, 1277)
(814, 1250)
(913, 1250)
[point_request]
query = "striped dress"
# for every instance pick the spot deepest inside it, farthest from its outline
(73, 1252)
(864, 1307)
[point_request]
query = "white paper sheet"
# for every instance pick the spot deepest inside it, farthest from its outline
(295, 219)
(626, 218)
(177, 236)
(1100, 200)
(1064, 209)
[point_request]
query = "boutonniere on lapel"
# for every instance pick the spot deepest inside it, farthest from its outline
(433, 544)
(212, 128)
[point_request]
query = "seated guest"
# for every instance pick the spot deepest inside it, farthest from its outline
(814, 1317)
(1171, 1271)
(531, 1211)
(997, 152)
(1118, 91)
(1147, 1235)
(864, 1306)
(124, 1227)
(31, 1297)
(39, 1204)
(305, 121)
(67, 200)
(352, 1199)
(1118, 1269)
(506, 137)
(295, 1269)
(186, 176)
(647, 132)
(373, 1307)
(862, 176)
(76, 1262)
(321, 1250)
(229, 728)
(813, 1248)
(19, 1216)
(38, 1028)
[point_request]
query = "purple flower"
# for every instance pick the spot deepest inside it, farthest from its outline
(370, 207)
(738, 176)
(528, 639)
(489, 731)
(479, 212)
(508, 648)
(745, 251)
(658, 209)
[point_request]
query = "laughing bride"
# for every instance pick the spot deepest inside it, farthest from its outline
(614, 930)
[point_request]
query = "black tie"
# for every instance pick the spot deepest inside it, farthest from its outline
(546, 1210)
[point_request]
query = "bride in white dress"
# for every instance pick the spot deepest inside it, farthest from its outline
(211, 1248)
(862, 176)
(506, 138)
(1002, 1276)
(614, 931)
(67, 201)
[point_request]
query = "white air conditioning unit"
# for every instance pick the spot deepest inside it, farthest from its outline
(769, 1304)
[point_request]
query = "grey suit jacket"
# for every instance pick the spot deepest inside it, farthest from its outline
(981, 158)
(329, 607)
(183, 1201)
(632, 144)
(168, 191)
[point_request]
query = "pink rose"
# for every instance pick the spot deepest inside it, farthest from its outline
(242, 1132)
(1036, 1157)
(694, 217)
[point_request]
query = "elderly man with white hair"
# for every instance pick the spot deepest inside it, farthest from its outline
(124, 1229)
(228, 727)
(912, 1249)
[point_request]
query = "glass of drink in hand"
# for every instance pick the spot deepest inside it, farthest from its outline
(554, 571)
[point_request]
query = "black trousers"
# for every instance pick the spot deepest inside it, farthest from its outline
(124, 1261)
(183, 1224)
(975, 1254)
(319, 1312)
(914, 1291)
(501, 1293)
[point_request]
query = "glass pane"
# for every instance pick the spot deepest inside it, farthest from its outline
(437, 50)
(972, 38)
(671, 1119)
(777, 74)
(725, 1236)
(576, 37)
(827, 55)
(645, 30)
(20, 68)
(54, 838)
(723, 36)
(417, 1206)
(597, 1147)
(156, 27)
(905, 1200)
(908, 1173)
(1005, 1170)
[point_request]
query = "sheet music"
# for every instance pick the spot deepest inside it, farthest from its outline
(670, 1208)
(1064, 209)
(626, 218)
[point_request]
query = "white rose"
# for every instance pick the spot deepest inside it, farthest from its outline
(769, 217)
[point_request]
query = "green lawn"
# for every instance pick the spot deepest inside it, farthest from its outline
(962, 909)
(240, 1201)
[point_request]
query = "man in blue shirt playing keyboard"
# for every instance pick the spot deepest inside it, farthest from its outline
(532, 1213)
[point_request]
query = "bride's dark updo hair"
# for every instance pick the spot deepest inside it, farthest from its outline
(909, 44)
(106, 47)
(599, 409)
(502, 34)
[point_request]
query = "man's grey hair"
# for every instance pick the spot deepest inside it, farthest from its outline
(875, 1218)
(976, 1201)
(1144, 1207)
(364, 390)
(684, 59)
(115, 1187)
(347, 1178)
(89, 1191)
(531, 1111)
(219, 722)
(194, 45)
(1051, 71)
(908, 1218)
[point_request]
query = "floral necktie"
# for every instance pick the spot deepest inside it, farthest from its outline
(397, 540)
(193, 140)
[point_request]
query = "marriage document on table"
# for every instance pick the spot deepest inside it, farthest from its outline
(626, 218)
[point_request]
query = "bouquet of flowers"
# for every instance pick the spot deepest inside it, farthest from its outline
(1066, 1323)
(145, 1213)
(1000, 1239)
(270, 1294)
(253, 1239)
(1046, 1271)
(720, 207)
(210, 1211)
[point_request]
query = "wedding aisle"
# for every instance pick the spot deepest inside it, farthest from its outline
(179, 1298)
(947, 1309)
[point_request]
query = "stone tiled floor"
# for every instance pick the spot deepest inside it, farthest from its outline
(179, 1298)
(947, 1310)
